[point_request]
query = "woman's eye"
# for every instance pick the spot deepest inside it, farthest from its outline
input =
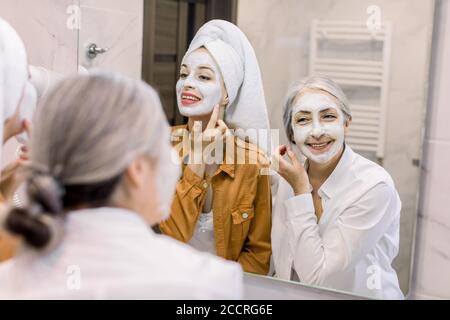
(205, 78)
(302, 120)
(183, 75)
(329, 116)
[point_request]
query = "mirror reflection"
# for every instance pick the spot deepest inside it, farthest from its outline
(370, 51)
(291, 148)
(336, 90)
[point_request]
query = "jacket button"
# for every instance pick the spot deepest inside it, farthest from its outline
(245, 215)
(205, 185)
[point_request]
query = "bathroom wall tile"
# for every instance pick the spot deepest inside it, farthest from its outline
(119, 31)
(439, 114)
(432, 261)
(436, 183)
(432, 258)
(43, 27)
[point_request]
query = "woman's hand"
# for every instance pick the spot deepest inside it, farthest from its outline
(214, 132)
(14, 173)
(24, 150)
(215, 129)
(13, 126)
(292, 171)
(12, 177)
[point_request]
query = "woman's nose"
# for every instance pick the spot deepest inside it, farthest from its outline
(317, 131)
(188, 84)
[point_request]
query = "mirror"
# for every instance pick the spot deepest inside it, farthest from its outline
(378, 54)
(349, 232)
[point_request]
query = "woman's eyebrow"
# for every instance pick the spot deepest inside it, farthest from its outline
(303, 111)
(326, 110)
(206, 67)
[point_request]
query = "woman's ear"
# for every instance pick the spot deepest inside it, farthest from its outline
(223, 105)
(137, 171)
(347, 123)
(226, 100)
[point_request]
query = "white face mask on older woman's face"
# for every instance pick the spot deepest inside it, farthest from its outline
(199, 87)
(319, 126)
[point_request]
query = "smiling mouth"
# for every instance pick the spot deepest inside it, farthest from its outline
(188, 99)
(319, 147)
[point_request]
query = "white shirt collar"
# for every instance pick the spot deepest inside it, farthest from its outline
(106, 217)
(339, 175)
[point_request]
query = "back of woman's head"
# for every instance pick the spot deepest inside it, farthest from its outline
(86, 132)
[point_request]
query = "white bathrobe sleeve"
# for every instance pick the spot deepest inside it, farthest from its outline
(348, 239)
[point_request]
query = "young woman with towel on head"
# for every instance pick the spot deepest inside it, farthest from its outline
(223, 208)
(101, 173)
(16, 95)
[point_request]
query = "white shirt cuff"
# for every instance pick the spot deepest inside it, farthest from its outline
(299, 205)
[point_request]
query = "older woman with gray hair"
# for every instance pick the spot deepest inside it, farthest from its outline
(336, 216)
(101, 175)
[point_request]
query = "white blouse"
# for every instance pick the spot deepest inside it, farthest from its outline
(111, 253)
(352, 246)
(203, 237)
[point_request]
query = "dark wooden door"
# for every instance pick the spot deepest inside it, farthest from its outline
(169, 26)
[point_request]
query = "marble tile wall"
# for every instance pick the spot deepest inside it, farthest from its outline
(431, 278)
(118, 26)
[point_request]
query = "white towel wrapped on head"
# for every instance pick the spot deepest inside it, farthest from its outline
(14, 85)
(237, 62)
(13, 71)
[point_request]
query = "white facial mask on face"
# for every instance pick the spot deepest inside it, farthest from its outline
(27, 108)
(316, 128)
(210, 91)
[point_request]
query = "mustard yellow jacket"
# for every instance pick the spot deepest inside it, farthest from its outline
(8, 244)
(241, 208)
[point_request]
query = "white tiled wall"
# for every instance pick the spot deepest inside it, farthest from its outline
(118, 26)
(432, 259)
(42, 27)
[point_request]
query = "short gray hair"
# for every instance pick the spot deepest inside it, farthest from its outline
(89, 128)
(318, 83)
(86, 132)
